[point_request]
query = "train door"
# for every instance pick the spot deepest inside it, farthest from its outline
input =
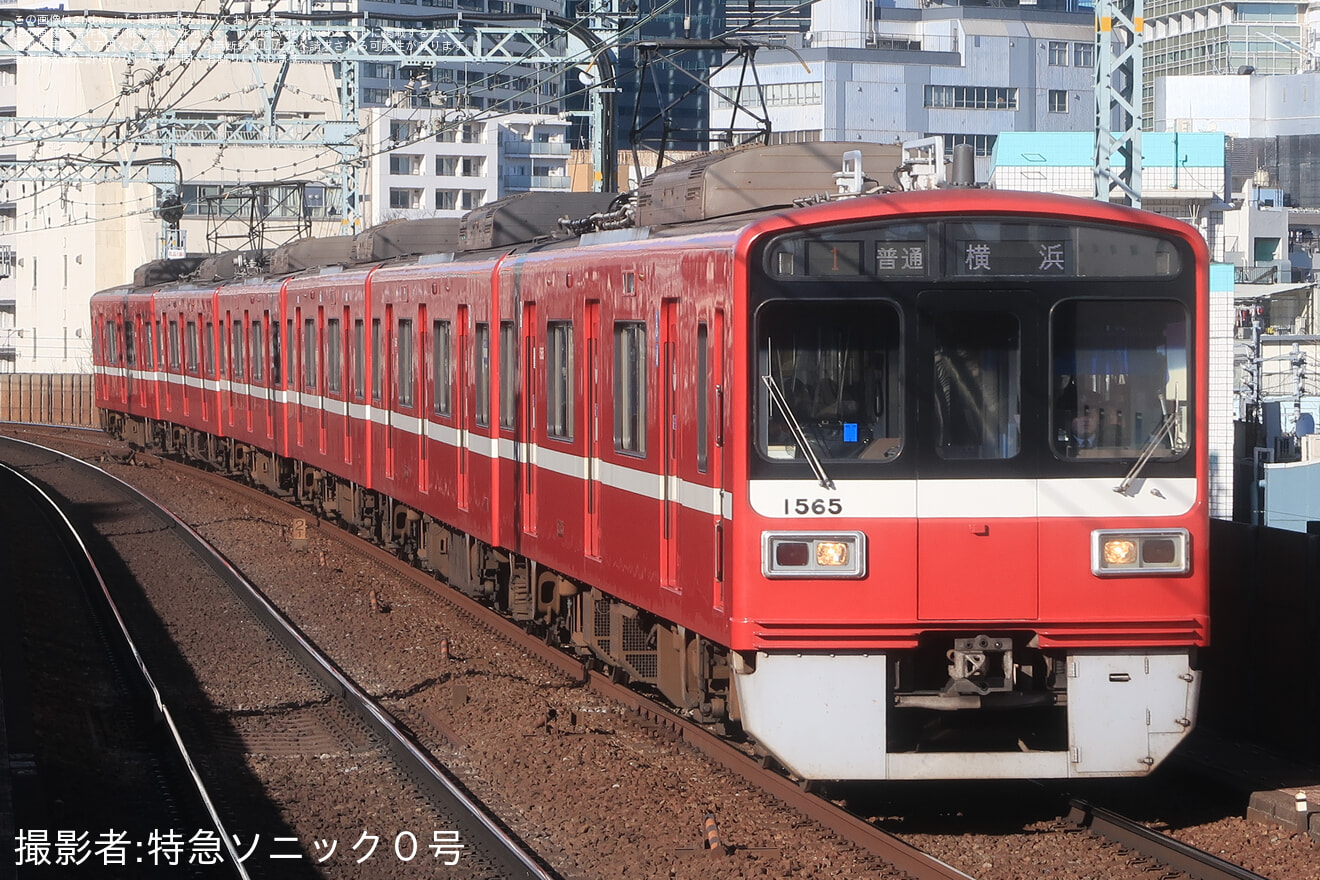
(321, 365)
(527, 461)
(710, 438)
(670, 502)
(976, 513)
(422, 402)
(389, 367)
(462, 407)
(591, 346)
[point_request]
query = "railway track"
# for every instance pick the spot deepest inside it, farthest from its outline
(472, 831)
(851, 830)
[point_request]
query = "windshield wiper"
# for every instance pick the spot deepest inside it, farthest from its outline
(1166, 427)
(798, 434)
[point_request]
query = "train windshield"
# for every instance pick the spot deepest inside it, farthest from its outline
(829, 374)
(1120, 379)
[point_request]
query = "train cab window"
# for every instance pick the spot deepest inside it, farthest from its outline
(257, 349)
(359, 359)
(276, 355)
(309, 353)
(978, 385)
(630, 387)
(174, 345)
(508, 374)
(1120, 379)
(130, 347)
(375, 360)
(559, 380)
(441, 366)
(482, 414)
(190, 341)
(334, 355)
(403, 372)
(828, 377)
(208, 346)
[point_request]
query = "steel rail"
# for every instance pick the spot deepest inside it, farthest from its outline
(1166, 850)
(498, 842)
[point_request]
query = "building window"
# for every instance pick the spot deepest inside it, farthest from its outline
(441, 376)
(559, 380)
(446, 200)
(404, 368)
(402, 130)
(1058, 53)
(1083, 54)
(1058, 101)
(406, 199)
(630, 387)
(972, 97)
(405, 163)
(471, 199)
(981, 144)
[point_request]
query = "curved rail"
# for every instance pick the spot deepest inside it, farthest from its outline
(73, 540)
(493, 838)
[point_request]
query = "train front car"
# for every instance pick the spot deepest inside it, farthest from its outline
(973, 541)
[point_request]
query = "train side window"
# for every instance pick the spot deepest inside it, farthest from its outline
(630, 387)
(441, 368)
(508, 374)
(208, 348)
(703, 395)
(111, 350)
(276, 354)
(403, 372)
(359, 360)
(334, 355)
(160, 344)
(257, 348)
(174, 345)
(309, 348)
(559, 379)
(375, 360)
(190, 340)
(238, 352)
(482, 352)
(130, 350)
(148, 346)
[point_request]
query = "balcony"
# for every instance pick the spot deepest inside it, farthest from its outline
(526, 182)
(514, 148)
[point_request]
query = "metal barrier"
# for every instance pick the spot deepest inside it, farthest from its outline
(48, 398)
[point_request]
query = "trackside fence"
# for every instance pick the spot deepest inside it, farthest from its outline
(1262, 679)
(48, 398)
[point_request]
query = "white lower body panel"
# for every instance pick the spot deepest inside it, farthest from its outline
(824, 716)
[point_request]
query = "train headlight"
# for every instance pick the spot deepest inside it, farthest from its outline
(1140, 552)
(813, 554)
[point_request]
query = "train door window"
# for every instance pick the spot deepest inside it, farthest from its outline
(334, 355)
(276, 354)
(148, 346)
(978, 385)
(174, 345)
(257, 348)
(832, 371)
(309, 351)
(130, 348)
(291, 352)
(375, 360)
(190, 340)
(208, 348)
(441, 365)
(703, 395)
(482, 413)
(160, 344)
(508, 374)
(630, 387)
(111, 349)
(238, 354)
(559, 379)
(359, 358)
(403, 372)
(1120, 379)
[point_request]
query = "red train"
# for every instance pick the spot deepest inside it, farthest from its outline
(907, 485)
